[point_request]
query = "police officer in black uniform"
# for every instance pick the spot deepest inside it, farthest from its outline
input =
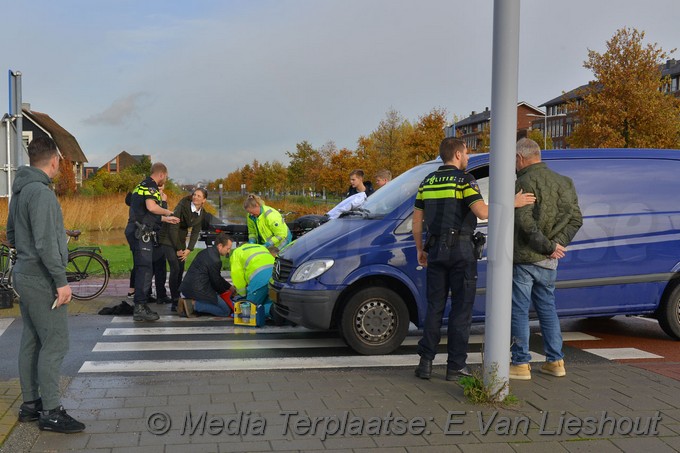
(146, 215)
(449, 201)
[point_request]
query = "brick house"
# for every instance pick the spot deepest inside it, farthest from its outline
(475, 127)
(37, 124)
(122, 161)
(560, 122)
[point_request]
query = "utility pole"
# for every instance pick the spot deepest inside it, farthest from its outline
(11, 142)
(505, 75)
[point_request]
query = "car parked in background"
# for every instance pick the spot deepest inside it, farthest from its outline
(359, 273)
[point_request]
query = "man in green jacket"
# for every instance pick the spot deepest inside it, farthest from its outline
(542, 232)
(35, 226)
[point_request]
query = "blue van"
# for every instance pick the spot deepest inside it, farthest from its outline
(360, 274)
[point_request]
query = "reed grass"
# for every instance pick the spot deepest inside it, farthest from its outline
(109, 213)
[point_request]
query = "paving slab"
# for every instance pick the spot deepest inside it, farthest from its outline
(360, 414)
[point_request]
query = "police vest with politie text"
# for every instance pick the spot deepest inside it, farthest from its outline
(139, 214)
(445, 196)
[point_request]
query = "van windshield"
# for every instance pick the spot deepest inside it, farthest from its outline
(389, 197)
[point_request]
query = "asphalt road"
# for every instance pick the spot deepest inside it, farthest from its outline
(117, 345)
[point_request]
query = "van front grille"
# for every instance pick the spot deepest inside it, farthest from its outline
(282, 269)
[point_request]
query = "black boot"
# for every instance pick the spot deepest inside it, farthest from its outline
(424, 369)
(143, 313)
(452, 375)
(30, 410)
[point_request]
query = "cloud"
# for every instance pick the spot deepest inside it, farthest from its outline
(121, 111)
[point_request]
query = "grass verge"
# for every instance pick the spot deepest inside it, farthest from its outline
(477, 393)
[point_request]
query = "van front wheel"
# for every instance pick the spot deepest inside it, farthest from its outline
(669, 313)
(374, 321)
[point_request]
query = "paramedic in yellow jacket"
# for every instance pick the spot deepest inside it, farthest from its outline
(265, 224)
(251, 269)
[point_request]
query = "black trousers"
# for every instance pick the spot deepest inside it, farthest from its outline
(132, 242)
(142, 258)
(159, 272)
(176, 270)
(451, 269)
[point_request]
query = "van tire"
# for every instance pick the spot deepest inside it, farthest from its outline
(374, 321)
(668, 313)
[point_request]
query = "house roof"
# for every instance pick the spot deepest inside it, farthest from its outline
(125, 160)
(535, 109)
(67, 143)
(485, 116)
(568, 96)
(475, 118)
(670, 68)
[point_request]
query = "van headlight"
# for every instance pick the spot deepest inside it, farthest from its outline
(310, 270)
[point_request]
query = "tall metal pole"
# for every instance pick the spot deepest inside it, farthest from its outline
(545, 129)
(8, 125)
(18, 122)
(502, 188)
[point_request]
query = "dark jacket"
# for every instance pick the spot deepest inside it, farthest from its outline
(176, 235)
(147, 189)
(554, 218)
(203, 280)
(369, 190)
(35, 226)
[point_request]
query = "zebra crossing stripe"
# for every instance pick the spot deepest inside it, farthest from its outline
(623, 353)
(175, 318)
(202, 330)
(253, 364)
(197, 345)
(237, 345)
(4, 324)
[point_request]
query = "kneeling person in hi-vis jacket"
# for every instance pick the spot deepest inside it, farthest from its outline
(251, 270)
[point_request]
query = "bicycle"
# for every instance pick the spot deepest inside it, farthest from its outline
(87, 271)
(8, 256)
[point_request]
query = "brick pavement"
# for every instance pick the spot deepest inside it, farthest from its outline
(10, 391)
(121, 411)
(246, 411)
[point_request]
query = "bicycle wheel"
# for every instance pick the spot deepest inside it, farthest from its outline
(87, 274)
(5, 274)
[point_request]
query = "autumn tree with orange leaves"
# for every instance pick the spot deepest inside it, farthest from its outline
(625, 106)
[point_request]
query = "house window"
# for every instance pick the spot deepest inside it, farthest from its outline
(27, 137)
(674, 83)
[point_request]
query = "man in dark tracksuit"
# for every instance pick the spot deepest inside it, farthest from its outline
(146, 215)
(35, 226)
(449, 202)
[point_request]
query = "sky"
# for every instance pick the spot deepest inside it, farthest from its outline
(208, 86)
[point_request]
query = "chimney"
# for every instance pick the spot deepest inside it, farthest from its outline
(473, 113)
(486, 109)
(26, 106)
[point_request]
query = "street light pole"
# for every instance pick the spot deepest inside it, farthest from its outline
(545, 127)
